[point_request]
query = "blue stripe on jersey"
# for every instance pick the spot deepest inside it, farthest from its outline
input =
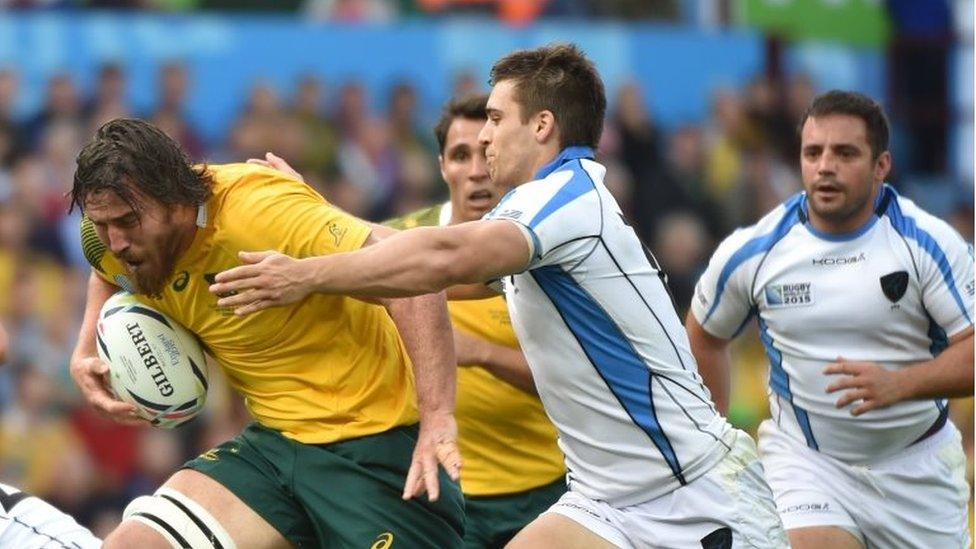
(757, 246)
(907, 227)
(611, 353)
(568, 154)
(779, 382)
(578, 185)
(939, 423)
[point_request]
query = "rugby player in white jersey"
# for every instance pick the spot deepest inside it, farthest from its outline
(28, 522)
(865, 307)
(650, 461)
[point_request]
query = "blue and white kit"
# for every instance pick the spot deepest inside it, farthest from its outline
(893, 292)
(27, 522)
(609, 356)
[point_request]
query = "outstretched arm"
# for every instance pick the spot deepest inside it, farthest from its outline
(414, 262)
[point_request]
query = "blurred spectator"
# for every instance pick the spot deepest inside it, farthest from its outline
(515, 12)
(765, 106)
(61, 105)
(416, 152)
(638, 144)
(682, 247)
(36, 441)
(109, 94)
(170, 115)
(320, 140)
(350, 11)
(256, 129)
(10, 133)
(465, 83)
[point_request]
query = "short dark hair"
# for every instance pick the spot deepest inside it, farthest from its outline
(558, 78)
(852, 104)
(126, 155)
(468, 107)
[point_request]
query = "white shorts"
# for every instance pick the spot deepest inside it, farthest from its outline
(917, 498)
(27, 522)
(729, 506)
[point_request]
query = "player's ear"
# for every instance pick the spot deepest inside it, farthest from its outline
(545, 126)
(440, 164)
(882, 166)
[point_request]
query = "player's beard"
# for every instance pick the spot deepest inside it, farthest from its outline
(156, 271)
(854, 199)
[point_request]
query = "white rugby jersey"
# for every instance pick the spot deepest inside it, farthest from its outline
(890, 292)
(610, 358)
(27, 522)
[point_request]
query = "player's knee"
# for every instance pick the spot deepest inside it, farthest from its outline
(168, 519)
(135, 534)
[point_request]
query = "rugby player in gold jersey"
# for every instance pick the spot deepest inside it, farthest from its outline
(334, 456)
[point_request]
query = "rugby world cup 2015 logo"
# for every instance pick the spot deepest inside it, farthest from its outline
(797, 294)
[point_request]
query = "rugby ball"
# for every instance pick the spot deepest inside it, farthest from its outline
(154, 363)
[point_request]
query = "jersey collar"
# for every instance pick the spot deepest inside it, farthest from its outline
(202, 215)
(568, 154)
(880, 206)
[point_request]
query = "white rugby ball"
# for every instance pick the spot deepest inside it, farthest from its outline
(154, 363)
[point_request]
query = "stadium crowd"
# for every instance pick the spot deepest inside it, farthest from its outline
(684, 187)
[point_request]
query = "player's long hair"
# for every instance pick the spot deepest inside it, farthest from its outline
(131, 157)
(560, 79)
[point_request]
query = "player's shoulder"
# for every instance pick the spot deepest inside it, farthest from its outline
(913, 222)
(243, 192)
(242, 180)
(569, 185)
(763, 235)
(427, 217)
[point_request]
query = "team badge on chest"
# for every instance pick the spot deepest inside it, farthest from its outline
(894, 285)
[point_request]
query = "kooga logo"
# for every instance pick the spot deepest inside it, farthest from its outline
(827, 261)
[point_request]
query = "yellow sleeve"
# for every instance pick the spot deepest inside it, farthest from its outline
(265, 211)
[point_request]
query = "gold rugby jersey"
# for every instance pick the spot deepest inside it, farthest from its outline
(327, 369)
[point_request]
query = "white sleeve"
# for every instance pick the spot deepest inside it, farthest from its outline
(946, 273)
(722, 302)
(552, 212)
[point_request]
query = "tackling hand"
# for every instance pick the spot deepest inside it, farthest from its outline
(267, 279)
(276, 163)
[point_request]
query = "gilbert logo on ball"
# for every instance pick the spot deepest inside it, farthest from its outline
(154, 363)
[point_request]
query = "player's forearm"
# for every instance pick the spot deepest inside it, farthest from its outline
(98, 293)
(714, 362)
(415, 262)
(949, 375)
(715, 370)
(425, 328)
(510, 365)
